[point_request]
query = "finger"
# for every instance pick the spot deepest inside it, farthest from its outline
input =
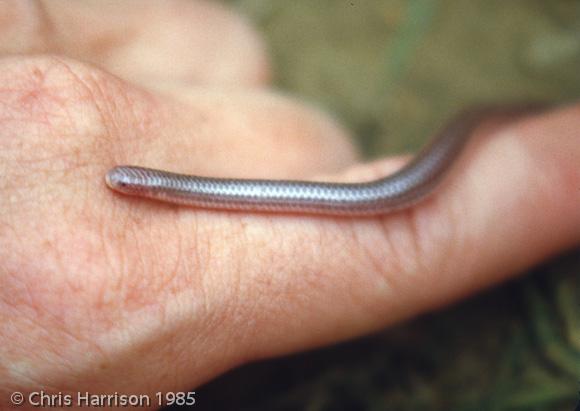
(144, 41)
(513, 200)
(238, 134)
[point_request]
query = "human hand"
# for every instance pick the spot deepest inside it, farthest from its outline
(104, 293)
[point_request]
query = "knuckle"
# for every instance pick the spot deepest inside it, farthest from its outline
(49, 110)
(57, 113)
(49, 90)
(60, 120)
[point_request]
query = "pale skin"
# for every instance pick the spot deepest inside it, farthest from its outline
(104, 293)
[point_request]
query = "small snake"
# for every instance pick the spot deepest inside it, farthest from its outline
(399, 190)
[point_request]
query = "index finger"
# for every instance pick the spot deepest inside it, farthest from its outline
(512, 202)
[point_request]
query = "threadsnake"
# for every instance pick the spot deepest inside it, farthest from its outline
(402, 189)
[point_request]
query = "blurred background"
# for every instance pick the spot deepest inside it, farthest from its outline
(393, 71)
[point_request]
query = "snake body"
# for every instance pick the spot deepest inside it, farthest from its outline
(402, 189)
